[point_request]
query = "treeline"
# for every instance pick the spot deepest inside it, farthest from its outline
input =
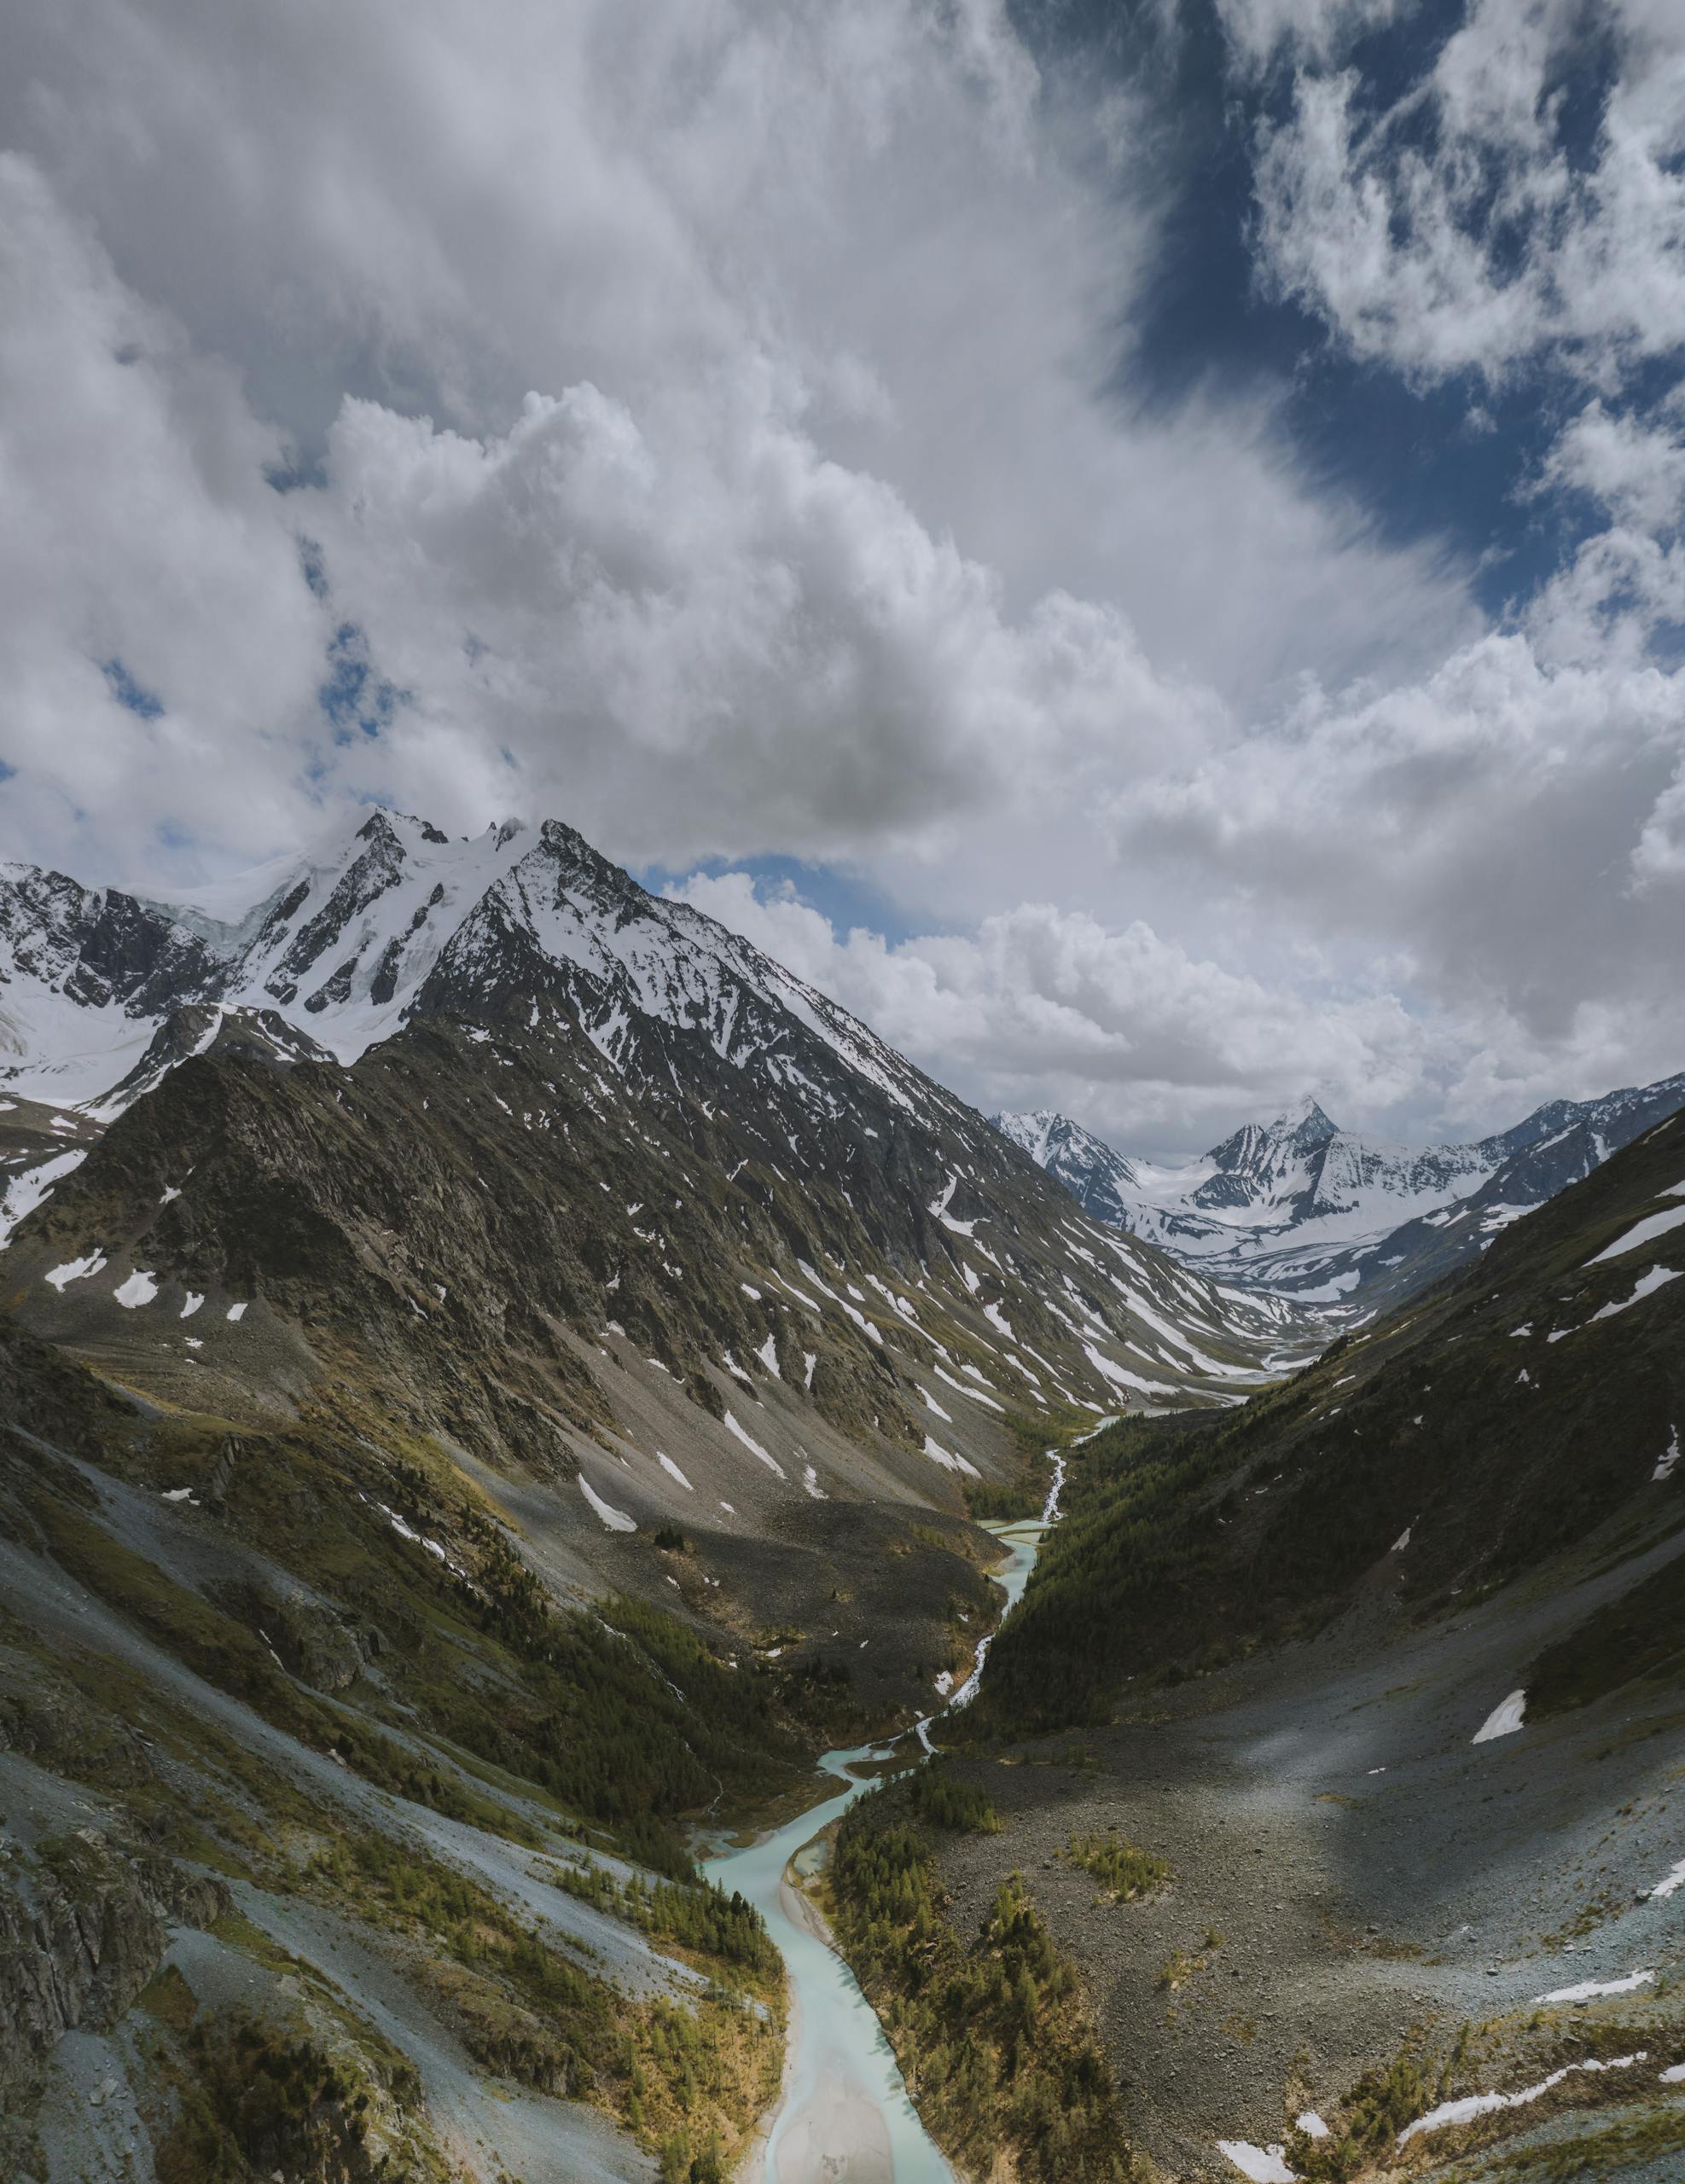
(1138, 1538)
(1190, 1539)
(624, 1715)
(255, 2100)
(993, 2039)
(702, 1918)
(937, 1794)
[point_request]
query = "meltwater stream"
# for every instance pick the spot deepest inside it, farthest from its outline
(845, 2117)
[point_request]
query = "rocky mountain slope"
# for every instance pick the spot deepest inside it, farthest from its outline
(1337, 1738)
(526, 1139)
(497, 1371)
(1304, 1208)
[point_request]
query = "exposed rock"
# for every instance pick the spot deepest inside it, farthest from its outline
(82, 1931)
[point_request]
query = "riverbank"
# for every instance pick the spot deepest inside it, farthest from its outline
(844, 2115)
(1353, 1877)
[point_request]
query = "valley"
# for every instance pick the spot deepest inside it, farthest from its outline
(502, 1378)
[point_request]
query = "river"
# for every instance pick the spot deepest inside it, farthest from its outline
(844, 2117)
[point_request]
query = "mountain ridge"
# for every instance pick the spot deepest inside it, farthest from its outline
(1305, 1208)
(598, 1161)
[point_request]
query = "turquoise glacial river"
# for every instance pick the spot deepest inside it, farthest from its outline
(845, 2116)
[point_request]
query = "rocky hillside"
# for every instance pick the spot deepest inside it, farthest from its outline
(497, 1374)
(1336, 1742)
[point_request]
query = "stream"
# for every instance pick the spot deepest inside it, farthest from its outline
(845, 2116)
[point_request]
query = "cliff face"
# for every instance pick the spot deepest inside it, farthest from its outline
(84, 1923)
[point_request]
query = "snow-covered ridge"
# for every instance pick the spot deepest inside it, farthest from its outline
(347, 941)
(1301, 1206)
(532, 944)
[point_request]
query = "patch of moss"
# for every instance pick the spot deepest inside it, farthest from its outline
(1124, 1872)
(167, 1997)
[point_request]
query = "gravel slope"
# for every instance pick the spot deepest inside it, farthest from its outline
(1366, 1865)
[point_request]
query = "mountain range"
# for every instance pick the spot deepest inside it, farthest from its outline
(1302, 1208)
(495, 1373)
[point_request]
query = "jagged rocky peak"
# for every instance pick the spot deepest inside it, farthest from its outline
(1262, 1148)
(1096, 1175)
(1303, 1207)
(349, 940)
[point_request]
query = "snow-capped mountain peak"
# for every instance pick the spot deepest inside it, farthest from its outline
(550, 1017)
(1103, 1184)
(337, 947)
(1300, 1206)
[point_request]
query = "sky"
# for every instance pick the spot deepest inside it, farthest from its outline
(1137, 545)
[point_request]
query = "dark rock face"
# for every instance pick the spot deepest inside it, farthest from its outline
(98, 946)
(81, 1936)
(367, 878)
(1253, 1163)
(310, 1638)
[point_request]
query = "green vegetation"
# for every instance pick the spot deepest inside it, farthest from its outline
(1642, 1634)
(1367, 2122)
(1192, 1539)
(702, 1919)
(1627, 2148)
(1018, 1502)
(1378, 2108)
(1133, 1538)
(993, 2040)
(1124, 1872)
(256, 2101)
(492, 1704)
(590, 1710)
(937, 1794)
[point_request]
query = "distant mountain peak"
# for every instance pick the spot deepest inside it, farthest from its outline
(1305, 1117)
(1301, 1206)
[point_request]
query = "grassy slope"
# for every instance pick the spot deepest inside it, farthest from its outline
(453, 1686)
(1190, 1539)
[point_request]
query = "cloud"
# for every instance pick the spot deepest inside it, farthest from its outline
(1474, 224)
(1633, 468)
(1257, 31)
(1488, 827)
(1138, 1036)
(154, 627)
(718, 426)
(698, 597)
(695, 415)
(1162, 1050)
(1623, 587)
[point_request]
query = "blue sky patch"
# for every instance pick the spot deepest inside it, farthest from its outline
(128, 692)
(355, 697)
